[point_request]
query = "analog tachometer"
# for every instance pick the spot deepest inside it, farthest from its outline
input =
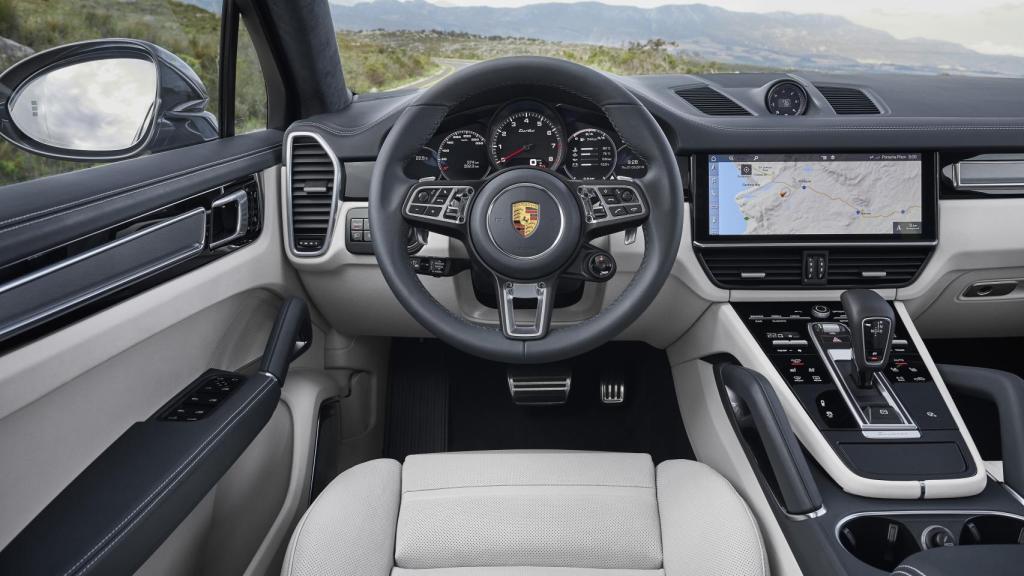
(527, 138)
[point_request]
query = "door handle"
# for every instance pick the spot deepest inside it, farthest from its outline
(232, 212)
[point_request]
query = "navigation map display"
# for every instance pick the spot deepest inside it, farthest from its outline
(815, 194)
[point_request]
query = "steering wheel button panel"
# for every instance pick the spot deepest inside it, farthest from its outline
(444, 203)
(611, 202)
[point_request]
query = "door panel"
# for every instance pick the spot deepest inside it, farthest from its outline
(66, 396)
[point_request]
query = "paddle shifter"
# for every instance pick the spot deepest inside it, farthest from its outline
(871, 320)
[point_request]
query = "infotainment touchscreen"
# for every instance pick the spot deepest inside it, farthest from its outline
(782, 195)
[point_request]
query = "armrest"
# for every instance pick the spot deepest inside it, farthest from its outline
(990, 560)
(1006, 391)
(798, 491)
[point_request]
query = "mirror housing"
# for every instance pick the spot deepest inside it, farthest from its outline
(120, 107)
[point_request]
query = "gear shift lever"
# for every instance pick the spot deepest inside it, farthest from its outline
(871, 320)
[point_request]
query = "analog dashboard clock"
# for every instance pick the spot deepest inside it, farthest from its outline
(787, 98)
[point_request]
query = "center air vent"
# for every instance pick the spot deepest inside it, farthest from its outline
(314, 177)
(712, 102)
(843, 267)
(848, 100)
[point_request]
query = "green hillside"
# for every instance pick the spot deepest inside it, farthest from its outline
(373, 60)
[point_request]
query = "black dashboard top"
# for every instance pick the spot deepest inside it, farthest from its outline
(918, 113)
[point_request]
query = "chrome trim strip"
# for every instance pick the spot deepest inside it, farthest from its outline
(288, 193)
(959, 184)
(241, 197)
(809, 516)
(512, 290)
(74, 300)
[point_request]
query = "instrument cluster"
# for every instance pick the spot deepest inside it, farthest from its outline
(574, 142)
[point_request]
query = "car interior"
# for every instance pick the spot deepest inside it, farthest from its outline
(533, 319)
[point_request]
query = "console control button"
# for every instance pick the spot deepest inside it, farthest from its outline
(937, 537)
(833, 410)
(821, 312)
(882, 415)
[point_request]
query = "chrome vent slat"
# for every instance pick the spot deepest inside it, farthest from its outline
(711, 101)
(845, 100)
(783, 267)
(313, 185)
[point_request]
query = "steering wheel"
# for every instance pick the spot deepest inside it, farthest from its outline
(528, 226)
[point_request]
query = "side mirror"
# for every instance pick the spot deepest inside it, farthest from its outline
(103, 100)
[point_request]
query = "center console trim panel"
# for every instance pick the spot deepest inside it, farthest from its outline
(721, 330)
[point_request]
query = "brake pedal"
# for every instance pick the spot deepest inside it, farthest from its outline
(539, 385)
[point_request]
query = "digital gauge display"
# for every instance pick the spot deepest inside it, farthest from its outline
(592, 155)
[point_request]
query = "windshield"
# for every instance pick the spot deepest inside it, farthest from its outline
(390, 44)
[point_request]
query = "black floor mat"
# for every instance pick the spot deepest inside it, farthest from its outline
(444, 400)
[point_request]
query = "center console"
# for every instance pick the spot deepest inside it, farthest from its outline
(888, 424)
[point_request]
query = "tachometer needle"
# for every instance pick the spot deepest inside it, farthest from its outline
(515, 153)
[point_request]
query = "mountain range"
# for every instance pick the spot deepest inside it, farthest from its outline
(774, 39)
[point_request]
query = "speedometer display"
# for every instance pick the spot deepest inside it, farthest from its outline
(462, 155)
(527, 138)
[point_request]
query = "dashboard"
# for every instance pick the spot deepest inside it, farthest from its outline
(572, 141)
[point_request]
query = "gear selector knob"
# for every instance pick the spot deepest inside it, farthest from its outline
(871, 321)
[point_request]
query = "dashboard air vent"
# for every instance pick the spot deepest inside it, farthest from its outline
(845, 266)
(712, 102)
(745, 268)
(893, 266)
(848, 100)
(313, 182)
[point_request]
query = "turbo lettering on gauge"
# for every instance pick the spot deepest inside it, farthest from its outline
(527, 138)
(592, 155)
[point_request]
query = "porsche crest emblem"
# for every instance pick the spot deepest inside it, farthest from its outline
(525, 217)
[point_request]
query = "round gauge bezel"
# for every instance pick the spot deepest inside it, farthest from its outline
(527, 106)
(768, 97)
(618, 158)
(486, 165)
(437, 165)
(611, 141)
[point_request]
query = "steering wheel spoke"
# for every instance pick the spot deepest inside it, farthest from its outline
(520, 320)
(440, 207)
(611, 205)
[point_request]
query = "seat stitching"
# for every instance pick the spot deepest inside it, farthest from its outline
(909, 567)
(189, 462)
(538, 485)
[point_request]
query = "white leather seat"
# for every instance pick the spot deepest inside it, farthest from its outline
(527, 514)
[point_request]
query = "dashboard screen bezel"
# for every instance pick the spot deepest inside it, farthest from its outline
(929, 212)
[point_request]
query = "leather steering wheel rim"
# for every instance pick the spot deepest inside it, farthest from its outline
(635, 125)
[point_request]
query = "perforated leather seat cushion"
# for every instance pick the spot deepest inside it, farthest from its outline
(528, 514)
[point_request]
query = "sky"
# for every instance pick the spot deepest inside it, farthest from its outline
(990, 26)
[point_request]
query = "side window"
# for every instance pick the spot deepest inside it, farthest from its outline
(190, 33)
(250, 88)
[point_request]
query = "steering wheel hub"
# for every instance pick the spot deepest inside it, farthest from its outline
(525, 224)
